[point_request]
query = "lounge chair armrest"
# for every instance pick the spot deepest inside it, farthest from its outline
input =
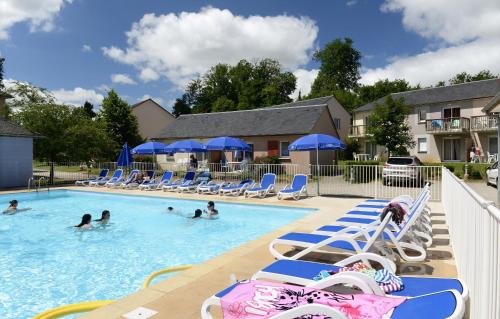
(366, 258)
(285, 188)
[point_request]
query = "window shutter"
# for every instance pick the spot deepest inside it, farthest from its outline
(273, 148)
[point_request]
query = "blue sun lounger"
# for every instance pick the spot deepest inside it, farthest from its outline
(211, 187)
(151, 176)
(302, 273)
(102, 176)
(296, 190)
(265, 187)
(440, 305)
(116, 176)
(122, 182)
(188, 179)
(236, 189)
(157, 183)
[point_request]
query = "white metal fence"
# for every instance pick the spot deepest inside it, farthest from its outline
(329, 180)
(474, 226)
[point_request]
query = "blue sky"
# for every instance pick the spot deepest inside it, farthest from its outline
(78, 49)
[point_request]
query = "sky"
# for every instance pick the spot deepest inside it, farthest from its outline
(79, 49)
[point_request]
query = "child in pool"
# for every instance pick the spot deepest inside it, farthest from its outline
(85, 224)
(212, 212)
(12, 209)
(197, 214)
(106, 215)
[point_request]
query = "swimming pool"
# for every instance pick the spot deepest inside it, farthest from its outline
(46, 263)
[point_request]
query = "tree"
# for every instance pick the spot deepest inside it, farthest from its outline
(339, 70)
(389, 127)
(88, 109)
(121, 125)
(2, 60)
(381, 88)
(243, 86)
(465, 77)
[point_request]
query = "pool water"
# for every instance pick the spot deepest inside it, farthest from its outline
(44, 262)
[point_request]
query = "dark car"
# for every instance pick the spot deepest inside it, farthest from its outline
(403, 170)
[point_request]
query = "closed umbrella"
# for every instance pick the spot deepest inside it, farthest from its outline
(125, 159)
(317, 142)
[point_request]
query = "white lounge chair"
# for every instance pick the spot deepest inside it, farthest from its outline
(117, 175)
(121, 182)
(211, 187)
(188, 179)
(102, 176)
(157, 183)
(236, 189)
(263, 189)
(296, 190)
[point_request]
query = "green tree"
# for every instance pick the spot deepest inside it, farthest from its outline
(119, 121)
(88, 109)
(389, 126)
(465, 77)
(26, 94)
(339, 70)
(381, 88)
(223, 104)
(181, 106)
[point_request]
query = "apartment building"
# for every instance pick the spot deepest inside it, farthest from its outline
(446, 122)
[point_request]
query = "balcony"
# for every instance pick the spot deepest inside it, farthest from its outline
(484, 123)
(448, 125)
(358, 131)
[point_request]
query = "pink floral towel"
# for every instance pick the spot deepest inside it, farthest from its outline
(259, 300)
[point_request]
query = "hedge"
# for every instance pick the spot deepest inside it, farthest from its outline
(476, 170)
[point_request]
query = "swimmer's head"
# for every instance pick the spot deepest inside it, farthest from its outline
(105, 214)
(13, 203)
(86, 218)
(170, 208)
(211, 204)
(197, 213)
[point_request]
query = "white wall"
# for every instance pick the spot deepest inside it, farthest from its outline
(16, 161)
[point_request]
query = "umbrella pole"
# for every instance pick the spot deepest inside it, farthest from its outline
(317, 166)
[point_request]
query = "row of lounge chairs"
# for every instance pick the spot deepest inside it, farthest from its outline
(200, 184)
(359, 233)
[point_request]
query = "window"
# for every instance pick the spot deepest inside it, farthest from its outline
(422, 145)
(493, 145)
(422, 115)
(284, 152)
(336, 121)
(451, 112)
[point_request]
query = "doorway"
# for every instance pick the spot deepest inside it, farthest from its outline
(452, 149)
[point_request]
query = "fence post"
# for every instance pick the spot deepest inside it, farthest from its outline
(376, 181)
(51, 174)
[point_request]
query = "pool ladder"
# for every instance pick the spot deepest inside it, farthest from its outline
(32, 182)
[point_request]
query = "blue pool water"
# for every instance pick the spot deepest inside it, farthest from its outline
(45, 263)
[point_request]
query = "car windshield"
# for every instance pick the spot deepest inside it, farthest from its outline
(400, 161)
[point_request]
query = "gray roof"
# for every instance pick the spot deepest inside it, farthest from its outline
(464, 91)
(263, 121)
(492, 105)
(11, 129)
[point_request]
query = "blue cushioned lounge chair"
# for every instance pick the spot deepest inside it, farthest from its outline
(236, 189)
(116, 176)
(188, 179)
(158, 183)
(121, 182)
(103, 175)
(265, 187)
(296, 190)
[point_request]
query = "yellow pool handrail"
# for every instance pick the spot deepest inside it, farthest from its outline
(92, 305)
(163, 271)
(72, 309)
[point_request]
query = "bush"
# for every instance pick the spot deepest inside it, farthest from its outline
(267, 160)
(274, 167)
(352, 146)
(476, 171)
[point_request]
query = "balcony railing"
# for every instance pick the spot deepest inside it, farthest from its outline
(358, 131)
(448, 125)
(484, 123)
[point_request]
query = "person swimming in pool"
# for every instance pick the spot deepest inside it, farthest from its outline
(85, 223)
(106, 215)
(170, 209)
(12, 209)
(197, 214)
(212, 212)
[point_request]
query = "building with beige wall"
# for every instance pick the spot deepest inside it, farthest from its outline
(446, 122)
(152, 118)
(269, 131)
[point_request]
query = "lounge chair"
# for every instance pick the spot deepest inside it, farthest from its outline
(157, 183)
(265, 187)
(296, 190)
(211, 187)
(116, 176)
(300, 272)
(236, 189)
(103, 174)
(202, 179)
(188, 179)
(151, 176)
(121, 182)
(361, 241)
(440, 305)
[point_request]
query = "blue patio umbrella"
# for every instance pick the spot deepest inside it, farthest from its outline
(150, 148)
(317, 142)
(227, 143)
(186, 146)
(125, 158)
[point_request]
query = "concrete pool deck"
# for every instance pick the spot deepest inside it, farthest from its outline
(181, 296)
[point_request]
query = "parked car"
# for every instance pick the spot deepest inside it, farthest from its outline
(403, 170)
(492, 175)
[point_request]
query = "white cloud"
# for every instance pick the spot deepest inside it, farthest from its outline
(103, 88)
(180, 46)
(39, 14)
(305, 78)
(122, 78)
(77, 96)
(467, 34)
(148, 74)
(351, 3)
(158, 100)
(86, 48)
